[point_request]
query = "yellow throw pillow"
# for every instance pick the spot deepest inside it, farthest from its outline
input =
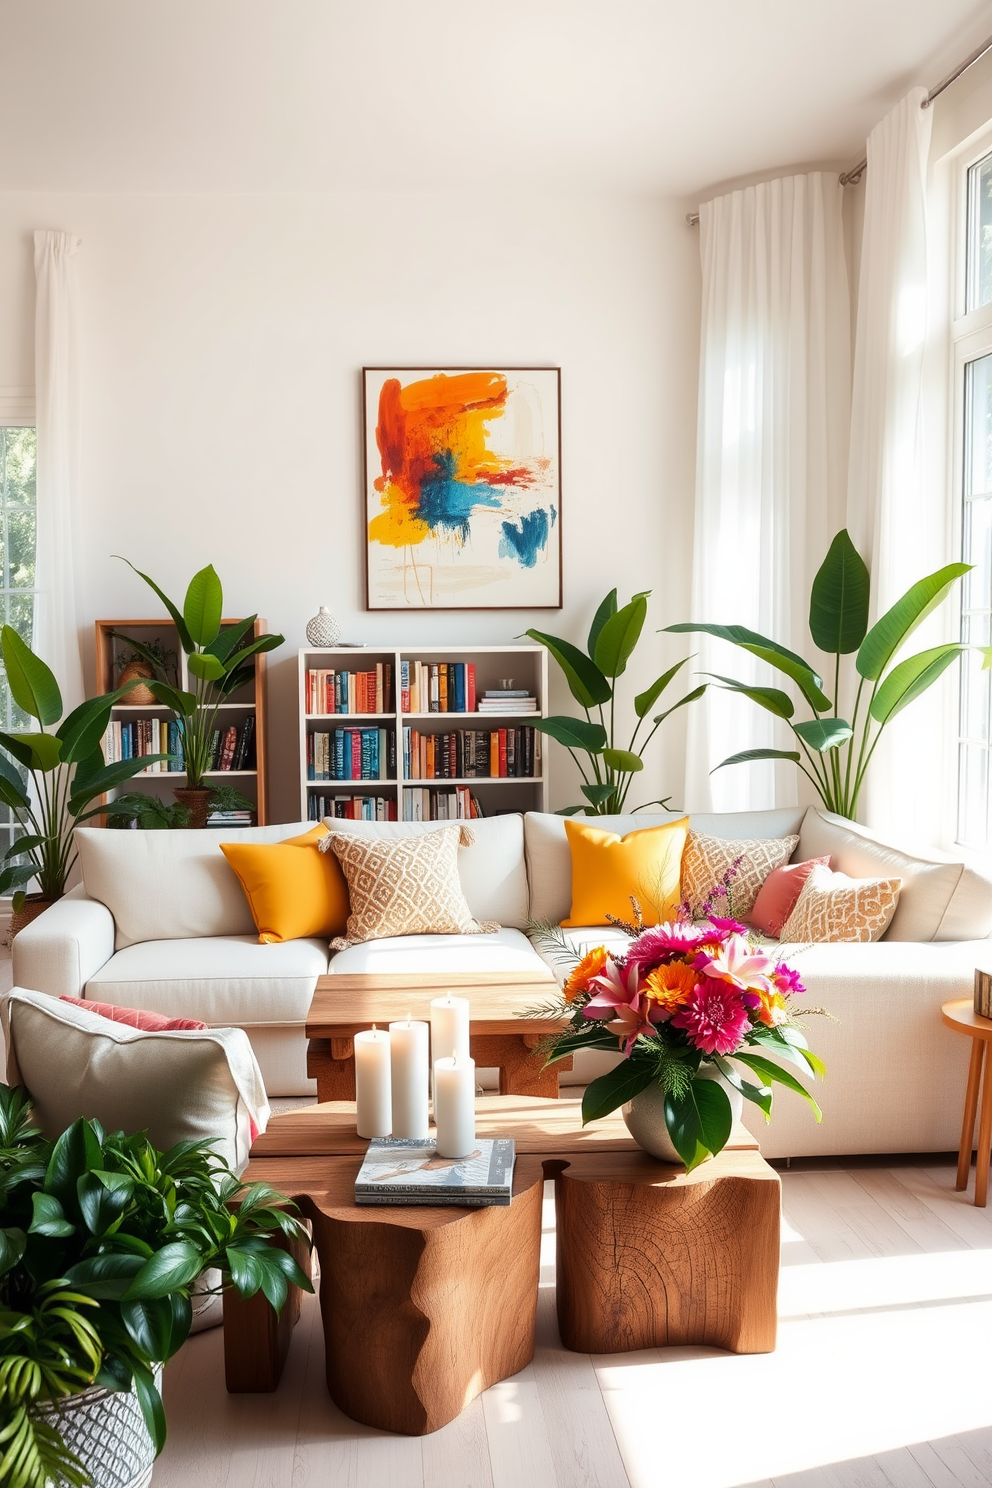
(293, 890)
(607, 870)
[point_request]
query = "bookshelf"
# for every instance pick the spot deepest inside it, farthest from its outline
(526, 665)
(247, 702)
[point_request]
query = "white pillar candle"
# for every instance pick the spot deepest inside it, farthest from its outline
(449, 1027)
(372, 1094)
(410, 1068)
(454, 1105)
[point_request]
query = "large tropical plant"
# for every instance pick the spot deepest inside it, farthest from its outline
(218, 659)
(609, 770)
(63, 762)
(101, 1239)
(834, 754)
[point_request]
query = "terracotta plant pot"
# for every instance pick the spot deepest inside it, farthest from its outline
(197, 802)
(139, 696)
(33, 906)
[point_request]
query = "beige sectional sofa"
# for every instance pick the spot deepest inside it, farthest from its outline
(160, 922)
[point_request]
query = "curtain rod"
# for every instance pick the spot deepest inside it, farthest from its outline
(852, 177)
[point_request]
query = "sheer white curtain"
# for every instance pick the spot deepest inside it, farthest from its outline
(56, 622)
(772, 456)
(897, 514)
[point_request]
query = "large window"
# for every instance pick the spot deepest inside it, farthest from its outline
(976, 532)
(18, 527)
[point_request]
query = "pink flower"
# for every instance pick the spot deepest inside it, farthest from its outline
(734, 962)
(662, 942)
(786, 980)
(714, 1017)
(728, 927)
(619, 1001)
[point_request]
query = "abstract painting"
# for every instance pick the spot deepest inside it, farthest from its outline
(462, 488)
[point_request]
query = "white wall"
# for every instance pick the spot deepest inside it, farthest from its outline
(223, 338)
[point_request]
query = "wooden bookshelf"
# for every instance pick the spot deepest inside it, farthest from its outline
(247, 701)
(526, 665)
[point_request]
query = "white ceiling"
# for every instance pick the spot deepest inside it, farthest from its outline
(664, 96)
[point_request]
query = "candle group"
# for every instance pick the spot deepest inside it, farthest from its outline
(392, 1079)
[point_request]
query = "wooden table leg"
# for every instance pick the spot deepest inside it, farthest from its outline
(331, 1062)
(521, 1068)
(256, 1341)
(970, 1108)
(984, 1153)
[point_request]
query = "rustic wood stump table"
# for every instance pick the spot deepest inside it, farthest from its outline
(425, 1307)
(500, 1036)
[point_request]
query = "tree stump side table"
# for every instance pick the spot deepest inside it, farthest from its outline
(423, 1309)
(649, 1255)
(961, 1016)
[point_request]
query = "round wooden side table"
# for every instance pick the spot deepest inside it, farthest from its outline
(961, 1016)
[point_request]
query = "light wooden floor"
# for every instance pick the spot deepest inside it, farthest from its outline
(882, 1377)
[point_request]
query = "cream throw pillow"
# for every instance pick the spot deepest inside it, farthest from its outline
(833, 907)
(707, 859)
(406, 886)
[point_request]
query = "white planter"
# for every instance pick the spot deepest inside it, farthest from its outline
(107, 1432)
(644, 1116)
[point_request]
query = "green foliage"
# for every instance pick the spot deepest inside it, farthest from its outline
(66, 766)
(150, 812)
(837, 752)
(101, 1239)
(608, 768)
(218, 660)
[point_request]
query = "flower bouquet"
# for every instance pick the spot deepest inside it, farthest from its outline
(683, 1001)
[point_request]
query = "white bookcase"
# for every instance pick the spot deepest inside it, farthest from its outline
(494, 665)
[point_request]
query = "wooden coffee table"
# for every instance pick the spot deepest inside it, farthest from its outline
(423, 1308)
(500, 1036)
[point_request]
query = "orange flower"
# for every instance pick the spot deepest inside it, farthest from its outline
(669, 986)
(591, 965)
(772, 1008)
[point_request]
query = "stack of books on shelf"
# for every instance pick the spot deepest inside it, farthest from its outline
(507, 700)
(351, 808)
(352, 754)
(350, 692)
(231, 820)
(234, 747)
(438, 687)
(401, 1170)
(465, 754)
(138, 736)
(456, 804)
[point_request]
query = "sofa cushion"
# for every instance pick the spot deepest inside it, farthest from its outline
(169, 885)
(707, 862)
(137, 1017)
(294, 891)
(833, 908)
(610, 871)
(579, 940)
(221, 979)
(492, 871)
(549, 864)
(504, 950)
(940, 899)
(175, 1086)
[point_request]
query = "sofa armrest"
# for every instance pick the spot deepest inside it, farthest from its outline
(60, 950)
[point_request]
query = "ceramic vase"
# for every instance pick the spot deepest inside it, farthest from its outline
(323, 629)
(644, 1116)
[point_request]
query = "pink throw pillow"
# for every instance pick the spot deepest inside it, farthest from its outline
(778, 895)
(137, 1018)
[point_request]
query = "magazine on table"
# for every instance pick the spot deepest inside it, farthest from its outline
(400, 1170)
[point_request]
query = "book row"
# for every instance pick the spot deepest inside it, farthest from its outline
(351, 808)
(456, 804)
(466, 753)
(233, 747)
(352, 754)
(350, 692)
(437, 687)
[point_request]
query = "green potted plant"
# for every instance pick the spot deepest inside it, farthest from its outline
(836, 752)
(219, 661)
(65, 765)
(609, 770)
(101, 1240)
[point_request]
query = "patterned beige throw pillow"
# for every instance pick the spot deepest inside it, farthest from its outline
(404, 885)
(833, 907)
(707, 859)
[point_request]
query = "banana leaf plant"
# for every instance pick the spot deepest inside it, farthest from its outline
(834, 754)
(65, 765)
(219, 661)
(608, 771)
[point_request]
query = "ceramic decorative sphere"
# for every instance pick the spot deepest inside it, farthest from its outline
(323, 629)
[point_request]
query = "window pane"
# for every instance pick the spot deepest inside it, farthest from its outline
(979, 234)
(18, 448)
(973, 796)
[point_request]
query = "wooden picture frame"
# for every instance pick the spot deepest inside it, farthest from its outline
(462, 487)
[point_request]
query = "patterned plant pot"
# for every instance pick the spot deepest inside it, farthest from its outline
(198, 804)
(106, 1431)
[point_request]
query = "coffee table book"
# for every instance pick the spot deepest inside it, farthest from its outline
(397, 1170)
